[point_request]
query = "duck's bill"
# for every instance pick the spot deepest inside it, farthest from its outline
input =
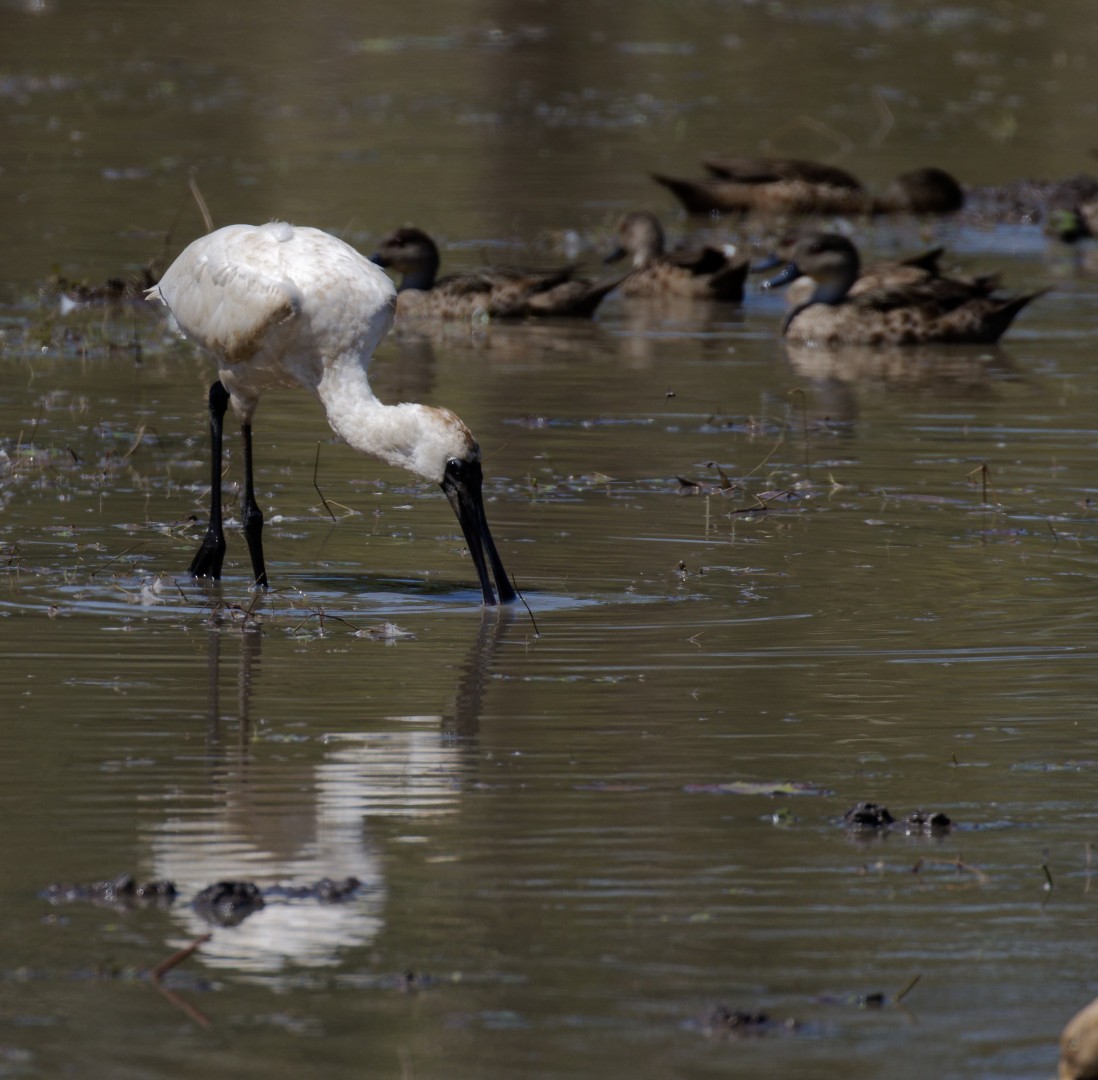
(616, 255)
(784, 277)
(462, 483)
(767, 262)
(379, 259)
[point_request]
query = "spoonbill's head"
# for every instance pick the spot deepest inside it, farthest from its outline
(446, 452)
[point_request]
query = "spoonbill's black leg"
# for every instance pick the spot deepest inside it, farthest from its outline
(207, 561)
(252, 515)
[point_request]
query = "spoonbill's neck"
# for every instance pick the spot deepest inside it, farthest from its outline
(394, 433)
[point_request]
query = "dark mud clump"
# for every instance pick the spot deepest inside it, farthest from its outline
(122, 893)
(229, 903)
(225, 903)
(867, 816)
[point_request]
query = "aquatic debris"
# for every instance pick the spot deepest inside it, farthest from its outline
(615, 786)
(873, 1000)
(228, 903)
(1071, 765)
(326, 891)
(723, 1022)
(387, 631)
(121, 893)
(867, 815)
(870, 817)
(751, 787)
(956, 864)
(926, 823)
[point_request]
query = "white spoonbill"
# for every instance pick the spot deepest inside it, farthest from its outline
(282, 305)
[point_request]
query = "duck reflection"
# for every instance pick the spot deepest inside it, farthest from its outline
(646, 325)
(317, 823)
(840, 375)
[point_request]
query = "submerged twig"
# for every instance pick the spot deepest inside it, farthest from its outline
(121, 554)
(177, 958)
(316, 469)
(537, 632)
(844, 144)
(203, 209)
(888, 121)
(985, 473)
(773, 451)
(321, 615)
(804, 428)
(162, 969)
(957, 865)
(136, 442)
(906, 988)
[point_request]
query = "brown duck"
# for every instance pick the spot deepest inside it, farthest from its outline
(915, 272)
(704, 274)
(498, 292)
(1079, 1046)
(790, 186)
(900, 304)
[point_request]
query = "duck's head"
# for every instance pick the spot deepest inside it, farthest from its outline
(829, 259)
(640, 236)
(412, 253)
(925, 191)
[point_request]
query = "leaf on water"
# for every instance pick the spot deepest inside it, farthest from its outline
(756, 787)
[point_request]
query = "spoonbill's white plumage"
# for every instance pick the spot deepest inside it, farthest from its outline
(281, 305)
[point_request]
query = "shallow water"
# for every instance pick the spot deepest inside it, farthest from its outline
(583, 827)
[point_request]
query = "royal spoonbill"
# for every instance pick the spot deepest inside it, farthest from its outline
(282, 305)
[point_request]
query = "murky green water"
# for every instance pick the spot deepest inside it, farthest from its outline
(566, 837)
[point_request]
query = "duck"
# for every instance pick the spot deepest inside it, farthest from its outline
(113, 291)
(1079, 1046)
(913, 271)
(796, 187)
(907, 305)
(704, 274)
(498, 292)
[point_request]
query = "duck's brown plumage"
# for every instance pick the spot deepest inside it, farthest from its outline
(703, 274)
(499, 292)
(788, 186)
(771, 170)
(900, 304)
(1079, 1046)
(920, 272)
(111, 291)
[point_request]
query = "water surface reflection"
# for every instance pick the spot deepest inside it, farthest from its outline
(271, 826)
